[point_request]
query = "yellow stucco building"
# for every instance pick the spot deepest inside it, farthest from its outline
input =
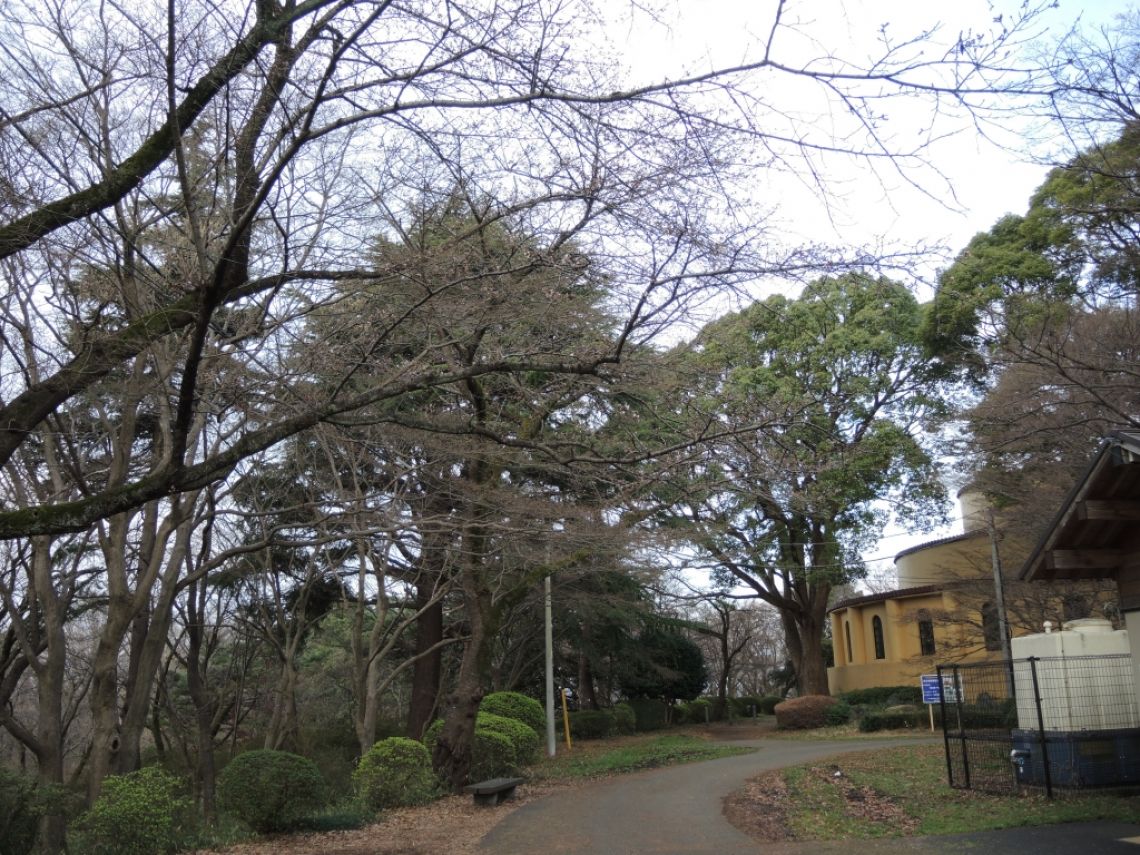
(944, 609)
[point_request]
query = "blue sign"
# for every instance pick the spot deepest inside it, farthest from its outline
(931, 689)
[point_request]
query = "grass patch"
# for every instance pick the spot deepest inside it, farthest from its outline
(902, 791)
(595, 759)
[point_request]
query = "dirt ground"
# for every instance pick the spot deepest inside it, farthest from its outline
(450, 826)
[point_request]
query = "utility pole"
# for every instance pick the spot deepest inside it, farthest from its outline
(550, 739)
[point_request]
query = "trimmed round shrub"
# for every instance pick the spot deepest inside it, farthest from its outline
(524, 739)
(271, 790)
(592, 724)
(395, 772)
(517, 706)
(804, 713)
(625, 719)
(493, 756)
(139, 813)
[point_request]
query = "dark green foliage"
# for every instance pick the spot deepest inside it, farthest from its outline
(517, 706)
(136, 814)
(592, 724)
(883, 696)
(395, 772)
(746, 705)
(22, 802)
(649, 713)
(625, 719)
(271, 790)
(666, 665)
(882, 720)
(768, 704)
(492, 756)
(837, 713)
(525, 741)
(494, 753)
(697, 711)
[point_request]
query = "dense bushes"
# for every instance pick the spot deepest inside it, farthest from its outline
(649, 713)
(494, 753)
(517, 706)
(698, 711)
(625, 719)
(525, 741)
(136, 814)
(395, 772)
(898, 719)
(810, 711)
(883, 696)
(21, 805)
(270, 790)
(593, 724)
(838, 713)
(492, 756)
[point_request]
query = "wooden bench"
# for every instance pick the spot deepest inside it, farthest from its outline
(492, 792)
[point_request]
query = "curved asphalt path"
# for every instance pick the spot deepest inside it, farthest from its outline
(673, 810)
(677, 811)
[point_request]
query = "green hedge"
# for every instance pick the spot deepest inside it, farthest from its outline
(625, 719)
(649, 713)
(493, 754)
(395, 772)
(525, 741)
(883, 696)
(592, 724)
(875, 720)
(271, 790)
(517, 706)
(140, 813)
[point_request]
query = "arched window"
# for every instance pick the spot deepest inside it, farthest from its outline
(880, 644)
(991, 629)
(925, 633)
(847, 632)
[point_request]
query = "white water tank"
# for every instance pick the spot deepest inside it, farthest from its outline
(1078, 692)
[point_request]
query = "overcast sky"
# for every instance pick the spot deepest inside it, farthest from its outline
(976, 182)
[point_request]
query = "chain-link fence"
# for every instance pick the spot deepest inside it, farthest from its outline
(1063, 723)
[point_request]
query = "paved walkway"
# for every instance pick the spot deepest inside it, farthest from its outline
(678, 811)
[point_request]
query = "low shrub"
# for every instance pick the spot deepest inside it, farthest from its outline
(525, 741)
(838, 713)
(625, 719)
(804, 713)
(883, 696)
(593, 724)
(20, 811)
(492, 756)
(698, 711)
(271, 790)
(517, 706)
(875, 720)
(745, 706)
(768, 704)
(140, 813)
(649, 713)
(395, 772)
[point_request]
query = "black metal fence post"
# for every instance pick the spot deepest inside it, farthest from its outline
(1033, 660)
(945, 725)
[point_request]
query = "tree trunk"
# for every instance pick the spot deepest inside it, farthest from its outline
(803, 634)
(587, 699)
(427, 670)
